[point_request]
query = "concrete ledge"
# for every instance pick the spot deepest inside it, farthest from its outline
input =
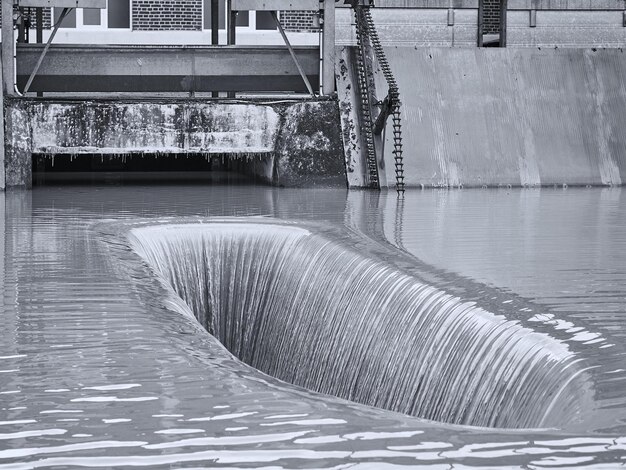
(294, 143)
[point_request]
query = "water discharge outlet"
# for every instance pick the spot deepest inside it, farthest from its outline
(313, 311)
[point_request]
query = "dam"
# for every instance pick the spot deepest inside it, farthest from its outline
(417, 264)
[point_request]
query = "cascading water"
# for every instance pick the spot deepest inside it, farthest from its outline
(317, 313)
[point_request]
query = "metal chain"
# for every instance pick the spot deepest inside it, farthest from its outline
(366, 109)
(394, 95)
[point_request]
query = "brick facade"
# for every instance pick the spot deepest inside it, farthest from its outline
(298, 21)
(491, 16)
(186, 15)
(172, 15)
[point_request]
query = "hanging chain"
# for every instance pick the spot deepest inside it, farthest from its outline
(394, 96)
(364, 92)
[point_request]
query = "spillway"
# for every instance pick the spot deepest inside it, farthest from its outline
(317, 312)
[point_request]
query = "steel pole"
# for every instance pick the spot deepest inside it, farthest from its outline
(8, 48)
(328, 46)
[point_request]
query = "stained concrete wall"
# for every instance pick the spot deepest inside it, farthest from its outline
(527, 117)
(309, 148)
(294, 143)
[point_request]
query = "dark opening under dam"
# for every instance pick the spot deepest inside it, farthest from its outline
(319, 314)
(151, 168)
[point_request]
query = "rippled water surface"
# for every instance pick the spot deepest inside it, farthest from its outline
(101, 364)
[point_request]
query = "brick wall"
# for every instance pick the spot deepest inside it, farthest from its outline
(491, 20)
(298, 21)
(167, 15)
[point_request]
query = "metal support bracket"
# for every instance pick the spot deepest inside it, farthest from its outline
(386, 108)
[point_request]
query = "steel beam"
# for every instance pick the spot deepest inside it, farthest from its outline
(8, 43)
(275, 5)
(328, 48)
(106, 68)
(63, 3)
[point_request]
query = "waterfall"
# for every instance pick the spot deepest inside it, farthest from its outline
(318, 313)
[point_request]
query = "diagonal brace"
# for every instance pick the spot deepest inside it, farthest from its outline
(57, 25)
(293, 54)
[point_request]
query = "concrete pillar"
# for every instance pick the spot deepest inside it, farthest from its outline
(8, 70)
(18, 150)
(2, 174)
(328, 47)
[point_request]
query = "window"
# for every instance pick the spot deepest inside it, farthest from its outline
(69, 21)
(118, 14)
(265, 20)
(92, 17)
(115, 16)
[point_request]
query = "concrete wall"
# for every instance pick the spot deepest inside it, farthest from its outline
(286, 143)
(422, 27)
(528, 117)
(566, 23)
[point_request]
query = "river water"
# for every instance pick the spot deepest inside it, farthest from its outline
(502, 311)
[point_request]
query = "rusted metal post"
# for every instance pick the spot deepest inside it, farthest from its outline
(328, 48)
(8, 65)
